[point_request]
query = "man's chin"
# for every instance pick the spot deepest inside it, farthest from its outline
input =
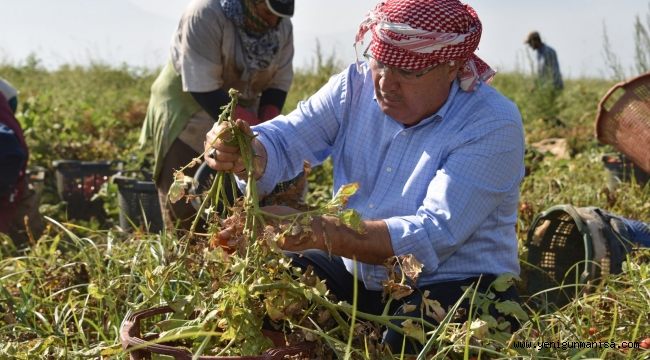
(392, 112)
(388, 106)
(396, 114)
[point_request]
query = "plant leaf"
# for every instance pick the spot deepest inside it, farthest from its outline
(176, 191)
(396, 290)
(504, 282)
(410, 266)
(414, 330)
(510, 307)
(93, 290)
(479, 328)
(352, 219)
(432, 308)
(340, 200)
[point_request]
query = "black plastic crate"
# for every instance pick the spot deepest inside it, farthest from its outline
(78, 181)
(139, 205)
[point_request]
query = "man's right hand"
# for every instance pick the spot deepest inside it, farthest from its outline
(222, 155)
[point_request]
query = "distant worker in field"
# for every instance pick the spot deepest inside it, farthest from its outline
(218, 45)
(548, 67)
(437, 152)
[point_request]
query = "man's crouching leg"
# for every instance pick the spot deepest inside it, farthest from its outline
(447, 294)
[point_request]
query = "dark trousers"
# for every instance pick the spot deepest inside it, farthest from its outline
(340, 282)
(180, 214)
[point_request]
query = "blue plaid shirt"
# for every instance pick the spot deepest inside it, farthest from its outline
(447, 188)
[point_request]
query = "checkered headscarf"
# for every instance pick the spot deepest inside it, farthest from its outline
(415, 34)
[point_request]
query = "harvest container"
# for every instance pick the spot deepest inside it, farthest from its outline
(142, 347)
(623, 119)
(139, 204)
(565, 257)
(78, 181)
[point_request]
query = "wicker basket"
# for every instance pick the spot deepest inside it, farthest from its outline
(144, 347)
(139, 204)
(564, 258)
(623, 119)
(78, 181)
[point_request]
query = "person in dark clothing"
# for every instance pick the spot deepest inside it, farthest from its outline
(17, 200)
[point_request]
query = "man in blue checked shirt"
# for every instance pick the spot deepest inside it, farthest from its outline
(437, 152)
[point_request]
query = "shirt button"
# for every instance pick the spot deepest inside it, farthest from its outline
(404, 133)
(389, 169)
(372, 206)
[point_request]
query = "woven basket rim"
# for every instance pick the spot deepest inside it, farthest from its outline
(626, 141)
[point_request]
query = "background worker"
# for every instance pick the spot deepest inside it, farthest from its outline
(218, 45)
(18, 203)
(548, 67)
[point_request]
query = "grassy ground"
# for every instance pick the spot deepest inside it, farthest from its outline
(67, 296)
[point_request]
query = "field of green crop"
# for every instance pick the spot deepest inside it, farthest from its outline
(67, 295)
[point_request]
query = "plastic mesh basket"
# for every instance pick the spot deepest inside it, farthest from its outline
(78, 181)
(623, 119)
(558, 252)
(139, 204)
(561, 253)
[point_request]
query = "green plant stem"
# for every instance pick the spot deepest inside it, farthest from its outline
(355, 293)
(204, 343)
(214, 189)
(230, 344)
(348, 309)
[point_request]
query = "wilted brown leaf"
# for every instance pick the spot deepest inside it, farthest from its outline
(411, 267)
(414, 330)
(432, 308)
(396, 290)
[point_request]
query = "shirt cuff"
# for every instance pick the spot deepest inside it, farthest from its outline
(267, 182)
(407, 238)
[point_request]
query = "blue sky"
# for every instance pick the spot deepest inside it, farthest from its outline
(137, 32)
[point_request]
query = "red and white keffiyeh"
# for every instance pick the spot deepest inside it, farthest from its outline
(415, 34)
